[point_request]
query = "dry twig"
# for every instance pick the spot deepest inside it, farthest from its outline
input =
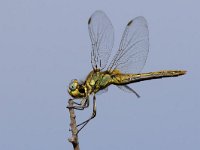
(74, 129)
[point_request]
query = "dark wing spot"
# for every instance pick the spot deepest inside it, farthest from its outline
(89, 21)
(129, 23)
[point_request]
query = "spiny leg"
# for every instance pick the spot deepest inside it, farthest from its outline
(93, 113)
(77, 103)
(80, 106)
(92, 116)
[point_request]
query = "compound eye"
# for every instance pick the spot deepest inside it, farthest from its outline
(72, 86)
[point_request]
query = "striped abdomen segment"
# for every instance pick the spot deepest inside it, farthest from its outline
(120, 79)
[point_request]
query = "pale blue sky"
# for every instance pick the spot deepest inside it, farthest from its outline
(45, 43)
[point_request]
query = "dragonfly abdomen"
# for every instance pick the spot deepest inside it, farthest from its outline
(121, 79)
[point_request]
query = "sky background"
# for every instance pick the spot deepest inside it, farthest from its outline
(44, 44)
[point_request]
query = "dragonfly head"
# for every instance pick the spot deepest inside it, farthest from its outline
(76, 90)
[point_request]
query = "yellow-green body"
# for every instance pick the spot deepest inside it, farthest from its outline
(97, 80)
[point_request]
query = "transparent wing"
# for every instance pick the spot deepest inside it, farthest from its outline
(128, 89)
(134, 46)
(101, 33)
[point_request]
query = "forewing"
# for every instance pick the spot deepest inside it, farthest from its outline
(134, 46)
(101, 33)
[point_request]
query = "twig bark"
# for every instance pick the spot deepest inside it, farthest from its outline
(74, 129)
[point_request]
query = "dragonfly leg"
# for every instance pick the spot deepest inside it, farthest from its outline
(80, 106)
(77, 103)
(83, 124)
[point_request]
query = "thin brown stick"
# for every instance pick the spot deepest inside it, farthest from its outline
(74, 129)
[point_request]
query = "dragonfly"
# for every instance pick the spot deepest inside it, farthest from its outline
(125, 67)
